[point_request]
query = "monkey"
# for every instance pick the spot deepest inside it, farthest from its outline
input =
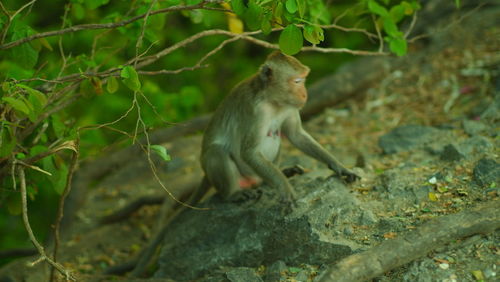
(241, 144)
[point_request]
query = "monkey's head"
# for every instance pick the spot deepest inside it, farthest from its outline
(284, 79)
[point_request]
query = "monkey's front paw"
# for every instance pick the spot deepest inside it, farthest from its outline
(349, 176)
(294, 170)
(246, 195)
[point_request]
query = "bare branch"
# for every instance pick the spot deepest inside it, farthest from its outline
(106, 25)
(10, 18)
(60, 209)
(40, 249)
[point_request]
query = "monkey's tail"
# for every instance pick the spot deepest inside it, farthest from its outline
(150, 250)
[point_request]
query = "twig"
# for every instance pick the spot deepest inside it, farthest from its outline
(379, 35)
(344, 50)
(143, 30)
(412, 25)
(10, 18)
(106, 25)
(40, 249)
(62, 199)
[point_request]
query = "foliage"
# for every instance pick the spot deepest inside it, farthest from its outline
(106, 71)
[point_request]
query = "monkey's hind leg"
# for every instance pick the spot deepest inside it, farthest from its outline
(221, 171)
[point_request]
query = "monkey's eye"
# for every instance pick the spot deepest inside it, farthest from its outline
(299, 80)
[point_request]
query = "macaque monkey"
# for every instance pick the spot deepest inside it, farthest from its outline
(242, 141)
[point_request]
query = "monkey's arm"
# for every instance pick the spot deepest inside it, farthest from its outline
(252, 155)
(292, 128)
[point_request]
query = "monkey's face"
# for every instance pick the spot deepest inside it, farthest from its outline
(296, 86)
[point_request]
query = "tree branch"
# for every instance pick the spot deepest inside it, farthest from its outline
(106, 25)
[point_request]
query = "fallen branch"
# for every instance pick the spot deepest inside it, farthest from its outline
(415, 244)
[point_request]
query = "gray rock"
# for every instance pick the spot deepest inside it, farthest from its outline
(473, 127)
(273, 272)
(243, 274)
(450, 153)
(486, 172)
(302, 276)
(475, 145)
(406, 137)
(367, 218)
(252, 234)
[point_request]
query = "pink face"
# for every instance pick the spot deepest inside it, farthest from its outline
(298, 88)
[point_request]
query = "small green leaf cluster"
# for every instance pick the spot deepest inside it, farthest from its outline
(289, 14)
(388, 18)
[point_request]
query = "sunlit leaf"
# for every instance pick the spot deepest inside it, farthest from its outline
(112, 84)
(130, 78)
(390, 27)
(161, 151)
(291, 6)
(375, 8)
(17, 104)
(291, 40)
(398, 45)
(313, 34)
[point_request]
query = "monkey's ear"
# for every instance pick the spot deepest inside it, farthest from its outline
(266, 73)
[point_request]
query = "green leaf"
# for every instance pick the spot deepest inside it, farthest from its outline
(18, 105)
(78, 11)
(319, 12)
(14, 204)
(457, 3)
(397, 13)
(7, 141)
(193, 2)
(253, 16)
(55, 165)
(375, 8)
(112, 84)
(390, 27)
(57, 126)
(24, 54)
(238, 7)
(36, 97)
(266, 25)
(161, 151)
(278, 13)
(130, 78)
(93, 4)
(397, 45)
(291, 6)
(301, 4)
(291, 40)
(313, 34)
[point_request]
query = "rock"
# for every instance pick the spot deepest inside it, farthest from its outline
(450, 153)
(406, 137)
(367, 218)
(258, 233)
(243, 274)
(274, 272)
(474, 145)
(473, 127)
(486, 172)
(302, 276)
